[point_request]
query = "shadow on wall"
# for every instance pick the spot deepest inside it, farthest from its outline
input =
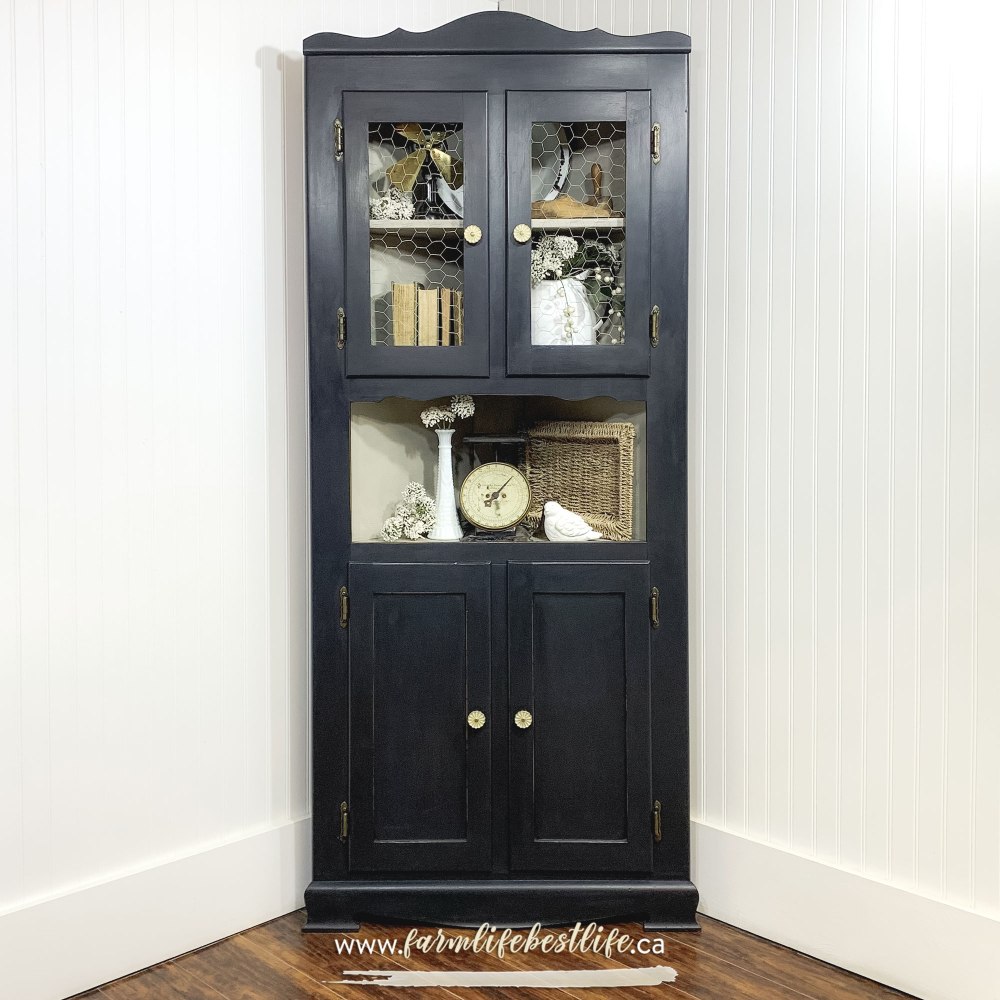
(286, 434)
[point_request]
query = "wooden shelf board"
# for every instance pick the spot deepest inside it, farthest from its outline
(415, 225)
(606, 224)
(455, 225)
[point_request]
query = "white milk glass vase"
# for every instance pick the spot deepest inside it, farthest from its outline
(446, 527)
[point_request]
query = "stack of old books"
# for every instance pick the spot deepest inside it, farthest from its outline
(426, 317)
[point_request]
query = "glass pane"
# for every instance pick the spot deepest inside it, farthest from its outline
(578, 233)
(415, 196)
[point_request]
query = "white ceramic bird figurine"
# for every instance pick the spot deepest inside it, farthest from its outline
(563, 525)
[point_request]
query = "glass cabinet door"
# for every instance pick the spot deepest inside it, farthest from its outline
(416, 266)
(578, 279)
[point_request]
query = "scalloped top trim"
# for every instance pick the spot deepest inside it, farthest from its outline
(496, 32)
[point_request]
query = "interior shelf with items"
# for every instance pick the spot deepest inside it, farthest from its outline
(578, 171)
(578, 221)
(417, 175)
(416, 287)
(415, 209)
(586, 455)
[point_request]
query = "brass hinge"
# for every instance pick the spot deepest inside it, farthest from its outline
(654, 607)
(657, 821)
(341, 328)
(654, 326)
(338, 139)
(345, 607)
(345, 820)
(654, 142)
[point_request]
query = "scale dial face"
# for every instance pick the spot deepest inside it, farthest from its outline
(495, 496)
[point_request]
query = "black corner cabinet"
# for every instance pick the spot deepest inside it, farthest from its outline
(441, 161)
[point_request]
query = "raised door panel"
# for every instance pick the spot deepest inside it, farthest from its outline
(420, 663)
(578, 221)
(416, 254)
(579, 665)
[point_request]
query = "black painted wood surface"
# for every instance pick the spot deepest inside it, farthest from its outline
(333, 273)
(495, 32)
(514, 902)
(578, 648)
(420, 663)
(486, 57)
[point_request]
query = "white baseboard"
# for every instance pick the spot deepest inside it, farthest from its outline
(919, 945)
(74, 942)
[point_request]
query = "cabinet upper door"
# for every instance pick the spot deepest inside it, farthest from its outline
(416, 264)
(579, 717)
(578, 220)
(420, 762)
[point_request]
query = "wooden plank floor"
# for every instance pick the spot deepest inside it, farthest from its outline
(276, 961)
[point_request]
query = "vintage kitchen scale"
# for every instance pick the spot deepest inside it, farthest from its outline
(495, 495)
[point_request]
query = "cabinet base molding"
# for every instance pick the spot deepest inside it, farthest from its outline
(343, 906)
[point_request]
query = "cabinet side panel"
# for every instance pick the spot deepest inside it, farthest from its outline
(329, 451)
(666, 453)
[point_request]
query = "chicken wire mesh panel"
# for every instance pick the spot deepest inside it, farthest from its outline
(576, 164)
(578, 195)
(416, 248)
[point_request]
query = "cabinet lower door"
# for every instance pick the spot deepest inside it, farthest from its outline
(420, 664)
(580, 765)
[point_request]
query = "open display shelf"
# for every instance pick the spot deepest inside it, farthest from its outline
(390, 447)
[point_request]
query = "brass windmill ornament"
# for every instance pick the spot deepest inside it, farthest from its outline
(405, 173)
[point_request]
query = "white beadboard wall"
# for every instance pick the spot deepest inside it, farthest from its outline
(845, 428)
(844, 468)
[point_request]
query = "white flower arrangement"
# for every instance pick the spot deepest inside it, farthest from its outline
(415, 515)
(392, 204)
(412, 492)
(562, 256)
(434, 416)
(461, 408)
(550, 257)
(596, 264)
(392, 530)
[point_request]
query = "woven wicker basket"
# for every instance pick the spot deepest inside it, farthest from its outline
(587, 466)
